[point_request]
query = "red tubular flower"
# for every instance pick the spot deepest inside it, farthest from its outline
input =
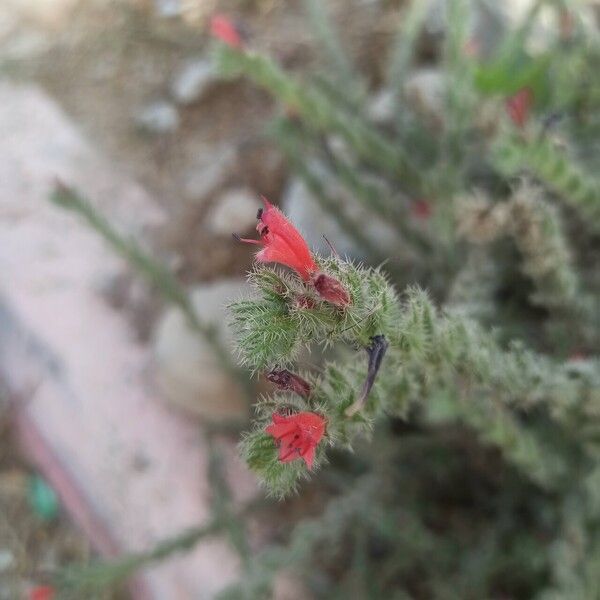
(282, 242)
(222, 28)
(518, 106)
(297, 436)
(41, 592)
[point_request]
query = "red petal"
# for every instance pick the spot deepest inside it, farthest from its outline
(284, 244)
(280, 430)
(278, 252)
(309, 456)
(223, 29)
(312, 423)
(41, 592)
(288, 454)
(298, 435)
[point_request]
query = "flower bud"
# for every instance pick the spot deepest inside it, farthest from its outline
(287, 381)
(331, 290)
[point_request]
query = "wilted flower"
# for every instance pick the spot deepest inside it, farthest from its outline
(297, 435)
(376, 351)
(331, 290)
(287, 381)
(421, 209)
(222, 28)
(519, 105)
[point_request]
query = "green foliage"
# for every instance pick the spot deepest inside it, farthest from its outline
(509, 262)
(273, 329)
(551, 166)
(82, 581)
(336, 60)
(464, 371)
(471, 468)
(151, 270)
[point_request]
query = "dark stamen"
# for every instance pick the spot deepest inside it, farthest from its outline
(259, 214)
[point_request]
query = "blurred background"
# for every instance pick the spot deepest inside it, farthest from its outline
(455, 142)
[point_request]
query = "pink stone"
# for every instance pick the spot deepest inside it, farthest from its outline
(129, 470)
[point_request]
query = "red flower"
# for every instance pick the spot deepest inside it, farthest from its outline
(297, 436)
(223, 29)
(41, 592)
(421, 209)
(282, 242)
(519, 105)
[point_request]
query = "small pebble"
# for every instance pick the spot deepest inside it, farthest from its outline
(158, 118)
(193, 81)
(7, 560)
(233, 212)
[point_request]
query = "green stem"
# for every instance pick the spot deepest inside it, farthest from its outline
(155, 273)
(103, 575)
(320, 114)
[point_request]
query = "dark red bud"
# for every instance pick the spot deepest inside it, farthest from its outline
(331, 290)
(518, 106)
(287, 381)
(421, 209)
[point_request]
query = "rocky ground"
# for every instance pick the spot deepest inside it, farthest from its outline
(36, 537)
(136, 77)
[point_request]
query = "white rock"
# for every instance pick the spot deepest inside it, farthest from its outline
(234, 211)
(158, 117)
(168, 8)
(193, 81)
(314, 222)
(380, 108)
(203, 180)
(7, 559)
(424, 89)
(188, 372)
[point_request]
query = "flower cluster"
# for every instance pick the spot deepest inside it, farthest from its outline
(296, 435)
